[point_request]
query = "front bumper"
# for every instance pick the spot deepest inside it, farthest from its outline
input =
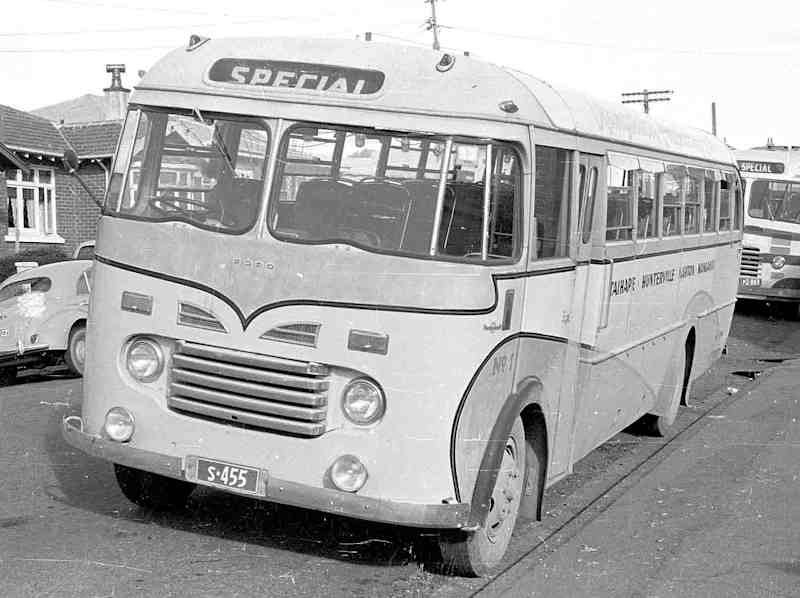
(434, 516)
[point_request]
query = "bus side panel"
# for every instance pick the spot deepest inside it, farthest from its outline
(513, 366)
(611, 395)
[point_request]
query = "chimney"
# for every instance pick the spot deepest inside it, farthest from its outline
(116, 95)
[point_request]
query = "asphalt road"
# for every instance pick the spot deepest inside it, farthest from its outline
(66, 530)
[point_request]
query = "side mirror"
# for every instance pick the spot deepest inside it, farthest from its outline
(71, 163)
(70, 160)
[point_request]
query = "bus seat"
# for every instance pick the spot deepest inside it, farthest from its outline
(423, 194)
(461, 234)
(320, 205)
(380, 207)
(240, 202)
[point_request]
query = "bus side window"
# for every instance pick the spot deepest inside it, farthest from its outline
(647, 205)
(551, 210)
(710, 199)
(737, 212)
(672, 185)
(619, 214)
(725, 204)
(591, 192)
(691, 214)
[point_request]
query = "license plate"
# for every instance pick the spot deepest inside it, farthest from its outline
(230, 476)
(749, 282)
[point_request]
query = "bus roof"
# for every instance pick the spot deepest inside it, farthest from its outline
(777, 162)
(409, 79)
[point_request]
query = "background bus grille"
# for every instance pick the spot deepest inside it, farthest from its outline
(260, 391)
(750, 261)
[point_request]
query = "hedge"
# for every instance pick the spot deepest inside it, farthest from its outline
(40, 255)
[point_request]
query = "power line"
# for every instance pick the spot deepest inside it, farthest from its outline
(80, 50)
(565, 42)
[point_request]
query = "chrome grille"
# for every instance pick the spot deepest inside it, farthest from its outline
(750, 261)
(238, 387)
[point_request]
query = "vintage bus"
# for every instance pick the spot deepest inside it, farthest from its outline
(396, 285)
(770, 269)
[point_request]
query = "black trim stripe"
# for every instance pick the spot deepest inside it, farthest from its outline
(462, 402)
(246, 320)
(642, 256)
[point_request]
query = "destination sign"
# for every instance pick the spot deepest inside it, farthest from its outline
(306, 76)
(760, 167)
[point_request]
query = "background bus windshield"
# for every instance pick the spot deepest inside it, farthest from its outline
(775, 200)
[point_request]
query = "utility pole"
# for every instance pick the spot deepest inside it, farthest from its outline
(432, 25)
(714, 119)
(644, 97)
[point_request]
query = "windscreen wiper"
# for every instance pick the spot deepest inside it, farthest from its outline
(218, 142)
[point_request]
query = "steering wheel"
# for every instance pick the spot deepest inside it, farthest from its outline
(174, 203)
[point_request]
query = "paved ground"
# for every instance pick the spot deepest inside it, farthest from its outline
(65, 529)
(717, 516)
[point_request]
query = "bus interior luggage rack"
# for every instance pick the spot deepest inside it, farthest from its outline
(249, 389)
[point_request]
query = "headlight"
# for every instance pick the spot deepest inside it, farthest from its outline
(363, 402)
(144, 360)
(778, 262)
(348, 473)
(119, 424)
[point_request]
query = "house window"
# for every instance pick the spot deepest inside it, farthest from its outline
(32, 205)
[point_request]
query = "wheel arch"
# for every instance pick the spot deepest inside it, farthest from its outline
(525, 403)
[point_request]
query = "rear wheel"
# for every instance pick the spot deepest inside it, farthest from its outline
(477, 553)
(75, 355)
(660, 425)
(151, 490)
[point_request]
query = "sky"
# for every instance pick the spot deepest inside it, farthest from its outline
(743, 56)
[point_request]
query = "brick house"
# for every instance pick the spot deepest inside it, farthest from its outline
(41, 203)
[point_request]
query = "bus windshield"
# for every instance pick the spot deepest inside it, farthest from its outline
(381, 190)
(775, 200)
(204, 170)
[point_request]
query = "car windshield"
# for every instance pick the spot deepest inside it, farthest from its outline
(775, 200)
(203, 169)
(380, 191)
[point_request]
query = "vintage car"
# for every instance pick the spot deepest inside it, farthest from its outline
(43, 318)
(84, 251)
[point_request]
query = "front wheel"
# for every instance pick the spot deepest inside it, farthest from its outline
(477, 553)
(75, 355)
(151, 490)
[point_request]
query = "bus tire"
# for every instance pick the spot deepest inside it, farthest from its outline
(476, 553)
(75, 355)
(651, 424)
(151, 490)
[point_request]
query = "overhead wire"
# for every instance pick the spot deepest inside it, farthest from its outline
(654, 49)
